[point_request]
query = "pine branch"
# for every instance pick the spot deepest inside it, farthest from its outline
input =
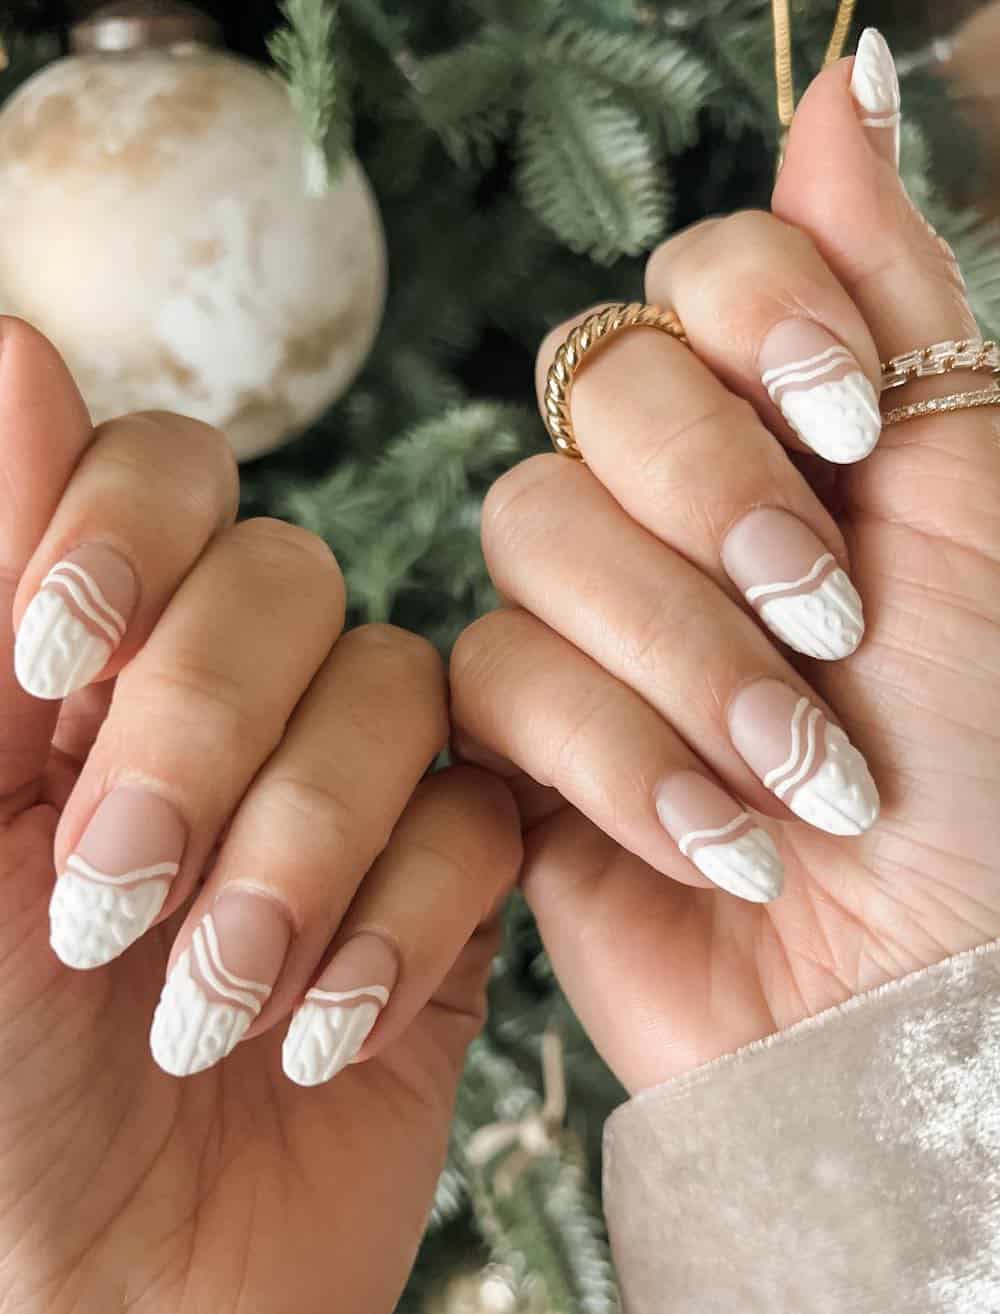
(467, 95)
(668, 81)
(304, 52)
(588, 169)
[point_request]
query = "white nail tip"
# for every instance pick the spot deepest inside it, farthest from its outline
(326, 1032)
(204, 1010)
(67, 634)
(839, 419)
(875, 84)
(874, 81)
(94, 917)
(825, 780)
(748, 866)
(824, 621)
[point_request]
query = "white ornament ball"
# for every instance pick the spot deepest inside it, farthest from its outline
(157, 222)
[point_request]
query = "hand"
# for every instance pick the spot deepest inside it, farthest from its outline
(257, 777)
(646, 700)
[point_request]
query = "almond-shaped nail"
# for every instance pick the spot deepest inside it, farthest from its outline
(337, 1015)
(821, 390)
(220, 983)
(74, 622)
(803, 758)
(116, 880)
(719, 837)
(794, 584)
(875, 88)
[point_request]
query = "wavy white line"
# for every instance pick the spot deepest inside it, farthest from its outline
(219, 985)
(685, 841)
(807, 363)
(762, 590)
(83, 868)
(782, 789)
(793, 756)
(338, 996)
(212, 938)
(91, 588)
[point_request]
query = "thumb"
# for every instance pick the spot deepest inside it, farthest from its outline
(840, 184)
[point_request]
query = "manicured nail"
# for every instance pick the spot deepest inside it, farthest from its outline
(116, 879)
(875, 87)
(337, 1015)
(803, 758)
(794, 584)
(74, 622)
(821, 390)
(220, 982)
(720, 838)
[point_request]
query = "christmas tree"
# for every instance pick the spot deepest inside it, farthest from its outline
(526, 155)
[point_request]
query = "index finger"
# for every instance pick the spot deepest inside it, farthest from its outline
(46, 429)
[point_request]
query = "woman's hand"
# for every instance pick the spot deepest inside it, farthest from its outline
(636, 679)
(230, 787)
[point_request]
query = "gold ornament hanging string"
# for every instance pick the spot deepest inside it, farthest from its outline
(783, 74)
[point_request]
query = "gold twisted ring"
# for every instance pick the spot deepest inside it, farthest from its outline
(594, 330)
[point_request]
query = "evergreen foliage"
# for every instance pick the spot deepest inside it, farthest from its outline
(526, 154)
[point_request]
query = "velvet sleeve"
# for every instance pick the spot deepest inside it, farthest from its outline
(848, 1165)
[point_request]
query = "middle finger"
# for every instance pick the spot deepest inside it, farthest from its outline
(659, 625)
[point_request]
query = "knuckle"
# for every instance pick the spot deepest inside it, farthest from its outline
(317, 809)
(507, 508)
(392, 643)
(289, 546)
(480, 651)
(199, 707)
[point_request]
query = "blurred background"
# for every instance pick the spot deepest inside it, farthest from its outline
(352, 280)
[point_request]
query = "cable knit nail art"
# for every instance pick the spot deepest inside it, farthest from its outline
(794, 584)
(74, 622)
(821, 390)
(328, 1029)
(115, 884)
(722, 840)
(875, 87)
(336, 1017)
(207, 1006)
(805, 760)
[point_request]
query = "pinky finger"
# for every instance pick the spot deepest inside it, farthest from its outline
(452, 859)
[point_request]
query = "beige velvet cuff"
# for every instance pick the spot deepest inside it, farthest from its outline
(849, 1165)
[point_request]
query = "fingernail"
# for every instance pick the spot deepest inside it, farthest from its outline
(337, 1015)
(116, 879)
(720, 838)
(794, 584)
(74, 622)
(875, 88)
(803, 758)
(821, 390)
(220, 982)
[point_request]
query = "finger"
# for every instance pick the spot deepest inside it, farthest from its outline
(318, 814)
(839, 184)
(450, 862)
(628, 945)
(655, 622)
(194, 715)
(45, 429)
(763, 310)
(149, 492)
(693, 463)
(524, 692)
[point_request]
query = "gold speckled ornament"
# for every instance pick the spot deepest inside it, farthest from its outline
(157, 223)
